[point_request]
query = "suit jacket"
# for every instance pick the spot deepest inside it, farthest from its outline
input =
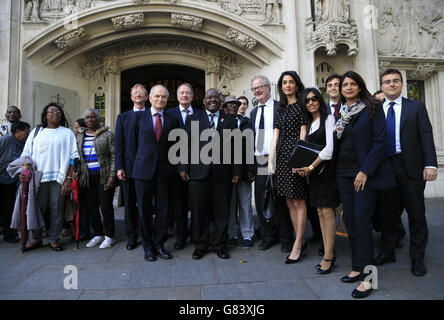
(175, 113)
(253, 115)
(417, 145)
(152, 154)
(125, 142)
(370, 143)
(200, 171)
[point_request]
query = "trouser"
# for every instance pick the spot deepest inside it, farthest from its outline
(387, 215)
(358, 209)
(131, 213)
(241, 198)
(97, 197)
(50, 196)
(179, 206)
(7, 199)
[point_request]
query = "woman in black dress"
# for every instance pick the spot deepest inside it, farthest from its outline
(291, 125)
(323, 194)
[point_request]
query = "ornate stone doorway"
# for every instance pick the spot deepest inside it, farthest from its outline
(170, 75)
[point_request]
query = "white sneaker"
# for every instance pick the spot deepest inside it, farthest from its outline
(94, 241)
(107, 243)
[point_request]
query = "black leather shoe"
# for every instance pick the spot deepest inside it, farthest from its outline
(347, 279)
(198, 254)
(361, 294)
(131, 245)
(150, 255)
(384, 258)
(222, 254)
(418, 268)
(265, 245)
(286, 247)
(56, 246)
(162, 253)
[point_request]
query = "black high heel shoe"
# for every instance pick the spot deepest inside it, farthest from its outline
(329, 270)
(318, 266)
(301, 255)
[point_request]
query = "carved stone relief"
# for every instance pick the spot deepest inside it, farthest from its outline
(32, 11)
(423, 71)
(241, 39)
(188, 22)
(128, 21)
(71, 39)
(410, 28)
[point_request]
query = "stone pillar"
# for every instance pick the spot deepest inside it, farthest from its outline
(304, 59)
(404, 83)
(112, 99)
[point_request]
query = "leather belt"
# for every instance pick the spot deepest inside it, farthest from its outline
(396, 156)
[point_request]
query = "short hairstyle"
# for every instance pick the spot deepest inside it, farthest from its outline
(63, 121)
(95, 111)
(19, 126)
(390, 71)
(20, 114)
(81, 122)
(245, 98)
(160, 85)
(139, 85)
(186, 84)
(264, 79)
(331, 77)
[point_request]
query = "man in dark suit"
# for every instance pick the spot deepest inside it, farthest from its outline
(332, 88)
(412, 155)
(263, 118)
(125, 151)
(180, 195)
(210, 178)
(152, 172)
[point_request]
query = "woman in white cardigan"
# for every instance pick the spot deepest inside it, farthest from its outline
(53, 148)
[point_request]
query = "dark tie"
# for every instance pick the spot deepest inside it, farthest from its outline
(187, 114)
(261, 135)
(212, 121)
(158, 128)
(239, 120)
(336, 106)
(391, 125)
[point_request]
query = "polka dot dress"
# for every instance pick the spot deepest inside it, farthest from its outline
(289, 122)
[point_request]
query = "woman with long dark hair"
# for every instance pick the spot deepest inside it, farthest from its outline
(323, 194)
(53, 148)
(290, 126)
(362, 169)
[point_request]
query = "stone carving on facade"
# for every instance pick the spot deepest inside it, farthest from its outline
(212, 65)
(32, 11)
(410, 29)
(71, 39)
(241, 39)
(187, 22)
(423, 71)
(273, 12)
(111, 64)
(332, 26)
(383, 65)
(140, 1)
(128, 21)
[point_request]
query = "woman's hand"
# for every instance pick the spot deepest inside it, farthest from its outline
(66, 186)
(270, 168)
(111, 183)
(360, 181)
(305, 171)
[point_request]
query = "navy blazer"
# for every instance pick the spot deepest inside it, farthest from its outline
(152, 154)
(370, 143)
(253, 115)
(125, 141)
(417, 145)
(175, 112)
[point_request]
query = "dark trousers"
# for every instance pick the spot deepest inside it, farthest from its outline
(387, 218)
(153, 231)
(97, 198)
(279, 226)
(179, 206)
(84, 225)
(130, 204)
(410, 195)
(358, 209)
(7, 199)
(210, 201)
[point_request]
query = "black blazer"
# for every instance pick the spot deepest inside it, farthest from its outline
(253, 115)
(417, 145)
(151, 153)
(175, 113)
(125, 141)
(370, 144)
(200, 171)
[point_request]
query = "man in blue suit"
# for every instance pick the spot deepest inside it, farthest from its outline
(180, 196)
(152, 172)
(125, 151)
(412, 156)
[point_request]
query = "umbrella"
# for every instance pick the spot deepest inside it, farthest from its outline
(76, 206)
(26, 175)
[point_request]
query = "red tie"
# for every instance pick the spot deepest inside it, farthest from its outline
(158, 129)
(337, 106)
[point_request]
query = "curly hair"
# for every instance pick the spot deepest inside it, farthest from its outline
(44, 121)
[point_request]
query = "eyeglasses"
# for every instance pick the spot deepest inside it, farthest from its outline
(312, 99)
(54, 112)
(258, 88)
(395, 81)
(138, 93)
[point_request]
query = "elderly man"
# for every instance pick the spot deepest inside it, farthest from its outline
(12, 115)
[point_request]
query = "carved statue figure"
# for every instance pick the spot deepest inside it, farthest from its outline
(52, 5)
(333, 10)
(32, 10)
(273, 11)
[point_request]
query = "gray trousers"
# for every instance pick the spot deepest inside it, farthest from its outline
(50, 196)
(241, 198)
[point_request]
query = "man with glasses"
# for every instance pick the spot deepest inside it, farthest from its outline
(263, 118)
(412, 155)
(125, 151)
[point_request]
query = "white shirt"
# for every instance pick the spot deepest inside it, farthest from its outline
(268, 126)
(183, 113)
(397, 107)
(332, 108)
(153, 113)
(215, 119)
(327, 152)
(137, 110)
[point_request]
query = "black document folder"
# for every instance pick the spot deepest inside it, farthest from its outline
(304, 154)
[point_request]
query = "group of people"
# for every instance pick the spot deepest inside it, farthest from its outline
(377, 154)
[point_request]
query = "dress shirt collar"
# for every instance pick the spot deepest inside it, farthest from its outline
(182, 108)
(216, 114)
(397, 101)
(154, 111)
(137, 110)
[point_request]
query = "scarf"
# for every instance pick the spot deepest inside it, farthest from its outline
(346, 115)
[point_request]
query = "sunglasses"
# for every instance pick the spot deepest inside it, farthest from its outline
(312, 99)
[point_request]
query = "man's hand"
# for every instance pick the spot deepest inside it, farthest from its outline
(235, 179)
(360, 180)
(111, 183)
(250, 177)
(66, 187)
(185, 176)
(121, 174)
(430, 174)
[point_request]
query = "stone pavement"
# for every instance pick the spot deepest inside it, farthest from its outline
(117, 273)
